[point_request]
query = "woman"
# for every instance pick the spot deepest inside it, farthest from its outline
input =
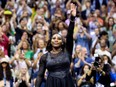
(106, 60)
(23, 80)
(57, 60)
(23, 46)
(39, 46)
(82, 82)
(5, 74)
(107, 75)
(110, 26)
(4, 42)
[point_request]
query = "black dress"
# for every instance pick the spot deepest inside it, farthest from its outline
(58, 65)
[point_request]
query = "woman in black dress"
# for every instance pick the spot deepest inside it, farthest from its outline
(58, 59)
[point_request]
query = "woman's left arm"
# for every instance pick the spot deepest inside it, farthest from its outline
(69, 38)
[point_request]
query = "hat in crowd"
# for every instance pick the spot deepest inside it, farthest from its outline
(4, 60)
(107, 54)
(7, 12)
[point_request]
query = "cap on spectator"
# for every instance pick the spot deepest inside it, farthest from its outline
(107, 54)
(4, 60)
(7, 12)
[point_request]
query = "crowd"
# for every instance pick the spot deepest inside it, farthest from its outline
(27, 27)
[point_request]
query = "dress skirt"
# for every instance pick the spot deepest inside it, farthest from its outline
(60, 82)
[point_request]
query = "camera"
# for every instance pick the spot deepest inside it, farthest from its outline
(97, 62)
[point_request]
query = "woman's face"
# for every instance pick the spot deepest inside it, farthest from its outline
(97, 31)
(25, 35)
(4, 28)
(4, 65)
(41, 43)
(105, 59)
(24, 45)
(56, 40)
(60, 26)
(88, 4)
(7, 25)
(103, 8)
(64, 33)
(23, 70)
(111, 21)
(24, 22)
(25, 13)
(78, 48)
(86, 68)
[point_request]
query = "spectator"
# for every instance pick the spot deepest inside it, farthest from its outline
(23, 79)
(88, 10)
(4, 42)
(110, 31)
(5, 74)
(81, 59)
(21, 29)
(82, 79)
(82, 38)
(103, 50)
(40, 47)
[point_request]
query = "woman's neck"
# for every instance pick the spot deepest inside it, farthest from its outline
(56, 50)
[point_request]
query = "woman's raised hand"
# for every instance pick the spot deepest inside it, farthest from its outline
(73, 10)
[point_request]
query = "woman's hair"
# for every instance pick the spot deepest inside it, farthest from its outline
(8, 72)
(82, 70)
(36, 43)
(28, 45)
(107, 68)
(27, 74)
(64, 25)
(49, 45)
(109, 60)
(107, 24)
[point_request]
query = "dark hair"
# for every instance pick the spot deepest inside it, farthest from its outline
(8, 72)
(108, 22)
(82, 71)
(103, 33)
(49, 45)
(109, 60)
(74, 2)
(107, 68)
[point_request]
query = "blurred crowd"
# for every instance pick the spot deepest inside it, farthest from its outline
(26, 26)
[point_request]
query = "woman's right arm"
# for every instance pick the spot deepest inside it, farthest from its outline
(81, 79)
(42, 68)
